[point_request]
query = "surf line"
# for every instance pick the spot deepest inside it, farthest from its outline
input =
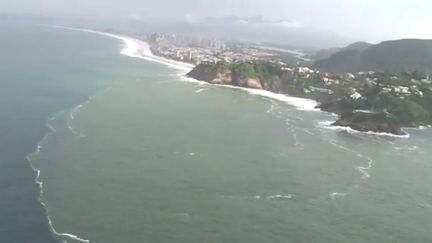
(135, 48)
(364, 170)
(39, 146)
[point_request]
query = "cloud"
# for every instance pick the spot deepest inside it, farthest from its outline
(262, 22)
(420, 28)
(288, 24)
(190, 18)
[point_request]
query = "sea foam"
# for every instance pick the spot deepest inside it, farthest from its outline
(137, 49)
(140, 49)
(327, 125)
(278, 196)
(299, 103)
(333, 195)
(63, 236)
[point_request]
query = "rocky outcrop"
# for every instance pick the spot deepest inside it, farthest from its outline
(222, 78)
(208, 74)
(271, 77)
(253, 83)
(370, 127)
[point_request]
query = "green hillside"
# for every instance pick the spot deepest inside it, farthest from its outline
(389, 56)
(326, 53)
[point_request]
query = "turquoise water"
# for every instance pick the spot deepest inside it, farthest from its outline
(151, 157)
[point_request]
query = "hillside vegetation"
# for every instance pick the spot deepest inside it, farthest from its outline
(389, 56)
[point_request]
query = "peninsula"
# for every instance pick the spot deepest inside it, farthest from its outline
(372, 88)
(382, 102)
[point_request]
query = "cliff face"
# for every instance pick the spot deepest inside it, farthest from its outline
(378, 106)
(254, 83)
(248, 75)
(221, 78)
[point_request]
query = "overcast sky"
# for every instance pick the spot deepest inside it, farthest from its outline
(370, 20)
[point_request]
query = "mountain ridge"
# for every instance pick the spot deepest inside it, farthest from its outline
(404, 55)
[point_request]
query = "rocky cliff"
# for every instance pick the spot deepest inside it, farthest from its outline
(249, 75)
(377, 102)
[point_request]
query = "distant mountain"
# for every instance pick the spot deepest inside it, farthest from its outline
(326, 53)
(357, 46)
(246, 29)
(393, 56)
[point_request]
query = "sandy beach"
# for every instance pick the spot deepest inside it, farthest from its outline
(139, 49)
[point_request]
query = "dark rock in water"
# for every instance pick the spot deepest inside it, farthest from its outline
(366, 101)
(370, 127)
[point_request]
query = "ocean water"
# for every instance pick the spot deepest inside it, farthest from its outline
(137, 153)
(42, 71)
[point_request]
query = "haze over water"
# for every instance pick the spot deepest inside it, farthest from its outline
(153, 157)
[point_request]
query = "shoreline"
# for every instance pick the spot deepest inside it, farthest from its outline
(136, 48)
(140, 49)
(123, 52)
(300, 103)
(328, 125)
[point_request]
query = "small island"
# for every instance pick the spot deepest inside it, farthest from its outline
(382, 102)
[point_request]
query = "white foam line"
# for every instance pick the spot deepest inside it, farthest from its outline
(333, 195)
(200, 90)
(75, 132)
(364, 170)
(278, 196)
(74, 111)
(137, 49)
(409, 148)
(140, 49)
(133, 48)
(192, 80)
(273, 106)
(258, 197)
(39, 147)
(419, 127)
(306, 130)
(300, 103)
(327, 125)
(40, 183)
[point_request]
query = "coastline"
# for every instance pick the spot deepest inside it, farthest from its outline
(328, 125)
(136, 48)
(333, 195)
(141, 49)
(299, 103)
